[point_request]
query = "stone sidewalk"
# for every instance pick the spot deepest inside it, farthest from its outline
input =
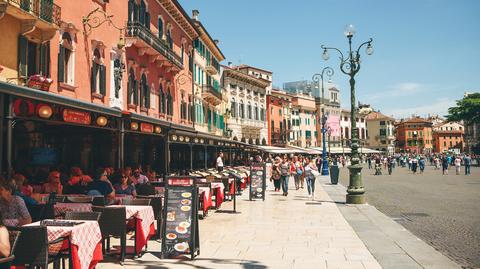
(280, 232)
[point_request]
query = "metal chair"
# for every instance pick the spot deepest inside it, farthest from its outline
(130, 201)
(7, 261)
(41, 211)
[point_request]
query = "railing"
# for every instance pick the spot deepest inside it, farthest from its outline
(212, 90)
(44, 9)
(136, 29)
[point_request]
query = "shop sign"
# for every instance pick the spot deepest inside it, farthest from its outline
(75, 116)
(146, 127)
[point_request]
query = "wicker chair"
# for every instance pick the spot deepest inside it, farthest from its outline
(112, 223)
(7, 261)
(32, 247)
(79, 199)
(70, 215)
(129, 201)
(41, 211)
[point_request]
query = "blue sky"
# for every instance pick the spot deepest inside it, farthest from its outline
(427, 52)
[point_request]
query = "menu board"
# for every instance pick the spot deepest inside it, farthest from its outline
(180, 222)
(257, 181)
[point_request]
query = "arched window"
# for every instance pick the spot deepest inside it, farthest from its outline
(160, 28)
(256, 112)
(163, 100)
(249, 111)
(144, 92)
(169, 37)
(65, 60)
(233, 108)
(242, 109)
(169, 103)
(182, 51)
(132, 88)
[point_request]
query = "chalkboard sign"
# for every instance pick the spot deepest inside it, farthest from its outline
(257, 181)
(180, 220)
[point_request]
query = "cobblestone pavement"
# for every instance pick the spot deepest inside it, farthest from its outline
(280, 232)
(441, 210)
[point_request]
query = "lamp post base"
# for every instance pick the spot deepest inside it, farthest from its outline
(325, 167)
(356, 199)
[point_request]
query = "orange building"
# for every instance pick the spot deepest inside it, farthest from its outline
(278, 117)
(414, 135)
(448, 136)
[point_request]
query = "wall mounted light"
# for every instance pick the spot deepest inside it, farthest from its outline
(102, 121)
(158, 129)
(134, 126)
(45, 111)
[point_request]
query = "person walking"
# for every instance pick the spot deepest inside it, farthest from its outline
(445, 165)
(467, 161)
(219, 163)
(276, 174)
(421, 164)
(310, 171)
(285, 174)
(414, 165)
(458, 163)
(297, 171)
(369, 161)
(390, 165)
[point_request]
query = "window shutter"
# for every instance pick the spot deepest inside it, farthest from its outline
(147, 96)
(22, 56)
(93, 77)
(61, 67)
(103, 80)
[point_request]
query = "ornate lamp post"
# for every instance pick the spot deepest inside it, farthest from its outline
(350, 66)
(317, 78)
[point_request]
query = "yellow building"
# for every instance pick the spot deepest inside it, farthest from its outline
(380, 132)
(26, 28)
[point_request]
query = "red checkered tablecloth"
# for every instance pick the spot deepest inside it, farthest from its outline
(85, 236)
(62, 208)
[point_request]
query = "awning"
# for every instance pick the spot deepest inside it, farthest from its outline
(21, 91)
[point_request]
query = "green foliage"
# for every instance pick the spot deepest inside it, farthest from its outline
(467, 109)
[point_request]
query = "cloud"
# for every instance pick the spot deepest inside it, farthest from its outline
(398, 90)
(436, 107)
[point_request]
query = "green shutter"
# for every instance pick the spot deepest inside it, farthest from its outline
(22, 56)
(61, 60)
(103, 80)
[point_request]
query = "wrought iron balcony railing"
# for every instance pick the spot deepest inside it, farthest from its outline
(43, 9)
(136, 29)
(212, 90)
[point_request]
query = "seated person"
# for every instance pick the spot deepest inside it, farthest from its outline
(101, 185)
(4, 239)
(138, 178)
(13, 207)
(22, 185)
(53, 183)
(77, 184)
(124, 186)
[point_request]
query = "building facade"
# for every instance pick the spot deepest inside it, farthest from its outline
(414, 135)
(279, 118)
(246, 90)
(209, 99)
(380, 132)
(304, 121)
(330, 107)
(346, 128)
(448, 136)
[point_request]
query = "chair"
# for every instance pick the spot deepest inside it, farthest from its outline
(156, 203)
(41, 211)
(70, 215)
(145, 189)
(112, 223)
(130, 201)
(7, 261)
(79, 199)
(32, 247)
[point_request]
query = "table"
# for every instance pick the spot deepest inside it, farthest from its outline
(62, 208)
(144, 223)
(219, 196)
(85, 239)
(206, 196)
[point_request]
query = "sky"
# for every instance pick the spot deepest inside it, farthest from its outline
(426, 56)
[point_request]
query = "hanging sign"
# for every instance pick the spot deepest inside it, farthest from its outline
(180, 221)
(75, 116)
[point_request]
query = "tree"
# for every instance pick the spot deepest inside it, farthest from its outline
(467, 109)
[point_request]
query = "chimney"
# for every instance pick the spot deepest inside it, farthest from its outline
(216, 41)
(195, 14)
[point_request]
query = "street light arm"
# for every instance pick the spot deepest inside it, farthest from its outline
(339, 51)
(363, 44)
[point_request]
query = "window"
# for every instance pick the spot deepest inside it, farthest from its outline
(183, 107)
(98, 74)
(160, 28)
(280, 112)
(144, 92)
(132, 97)
(169, 38)
(66, 60)
(256, 112)
(169, 103)
(383, 132)
(33, 58)
(382, 122)
(242, 110)
(262, 114)
(162, 107)
(144, 16)
(249, 111)
(233, 108)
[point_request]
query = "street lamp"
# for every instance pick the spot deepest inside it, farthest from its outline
(350, 66)
(319, 78)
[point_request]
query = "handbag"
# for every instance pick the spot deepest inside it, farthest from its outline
(299, 171)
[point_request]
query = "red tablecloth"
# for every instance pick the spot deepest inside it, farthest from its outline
(145, 226)
(86, 240)
(62, 208)
(206, 196)
(219, 196)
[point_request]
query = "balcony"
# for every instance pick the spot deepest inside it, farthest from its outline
(152, 45)
(211, 70)
(45, 13)
(211, 94)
